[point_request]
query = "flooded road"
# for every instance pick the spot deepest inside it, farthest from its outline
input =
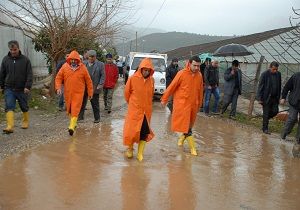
(236, 169)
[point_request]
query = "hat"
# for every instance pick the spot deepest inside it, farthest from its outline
(91, 53)
(175, 60)
(108, 55)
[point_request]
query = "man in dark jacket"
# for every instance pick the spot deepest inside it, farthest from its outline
(97, 74)
(211, 80)
(232, 88)
(268, 94)
(16, 81)
(171, 72)
(293, 88)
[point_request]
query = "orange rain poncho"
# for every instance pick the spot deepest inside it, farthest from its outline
(75, 83)
(138, 94)
(187, 88)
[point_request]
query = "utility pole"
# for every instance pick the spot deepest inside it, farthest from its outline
(136, 48)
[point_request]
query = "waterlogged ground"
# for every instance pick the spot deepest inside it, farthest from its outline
(237, 168)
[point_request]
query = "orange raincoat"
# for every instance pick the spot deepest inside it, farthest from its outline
(75, 82)
(187, 88)
(138, 94)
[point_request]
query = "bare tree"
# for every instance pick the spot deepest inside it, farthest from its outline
(62, 22)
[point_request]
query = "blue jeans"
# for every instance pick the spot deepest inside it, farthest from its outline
(216, 92)
(11, 96)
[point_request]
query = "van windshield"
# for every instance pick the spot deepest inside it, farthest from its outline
(158, 63)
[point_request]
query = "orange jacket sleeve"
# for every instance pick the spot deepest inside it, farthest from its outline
(171, 89)
(127, 91)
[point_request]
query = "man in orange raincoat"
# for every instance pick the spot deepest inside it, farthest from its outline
(187, 88)
(75, 77)
(138, 94)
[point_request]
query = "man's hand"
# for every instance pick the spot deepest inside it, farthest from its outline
(58, 92)
(90, 97)
(26, 91)
(261, 102)
(282, 101)
(99, 87)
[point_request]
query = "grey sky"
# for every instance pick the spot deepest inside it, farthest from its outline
(216, 17)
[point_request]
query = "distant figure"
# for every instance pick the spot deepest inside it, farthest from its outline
(204, 65)
(15, 82)
(111, 79)
(120, 67)
(75, 77)
(293, 88)
(139, 91)
(211, 80)
(171, 72)
(187, 100)
(232, 88)
(97, 74)
(268, 94)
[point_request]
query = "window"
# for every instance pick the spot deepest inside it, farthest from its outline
(158, 63)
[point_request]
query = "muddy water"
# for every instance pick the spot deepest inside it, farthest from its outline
(236, 169)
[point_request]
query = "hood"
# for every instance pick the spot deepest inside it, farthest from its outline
(146, 63)
(73, 55)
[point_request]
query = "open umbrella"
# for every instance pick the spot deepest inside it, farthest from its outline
(203, 56)
(232, 50)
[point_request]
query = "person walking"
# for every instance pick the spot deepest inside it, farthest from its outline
(268, 94)
(187, 89)
(15, 82)
(211, 80)
(139, 91)
(111, 78)
(75, 77)
(171, 72)
(97, 74)
(232, 88)
(292, 87)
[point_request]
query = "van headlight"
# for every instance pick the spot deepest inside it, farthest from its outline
(162, 81)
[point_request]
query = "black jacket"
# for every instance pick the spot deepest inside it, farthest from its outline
(264, 87)
(211, 76)
(16, 72)
(229, 81)
(292, 86)
(171, 72)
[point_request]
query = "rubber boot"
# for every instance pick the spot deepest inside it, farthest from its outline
(181, 140)
(129, 152)
(73, 124)
(25, 120)
(141, 148)
(10, 122)
(191, 142)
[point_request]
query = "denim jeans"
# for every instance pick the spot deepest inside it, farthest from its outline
(208, 92)
(11, 96)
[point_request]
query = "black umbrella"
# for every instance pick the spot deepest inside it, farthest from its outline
(232, 50)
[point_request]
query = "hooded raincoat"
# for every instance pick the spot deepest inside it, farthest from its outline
(75, 82)
(138, 94)
(187, 88)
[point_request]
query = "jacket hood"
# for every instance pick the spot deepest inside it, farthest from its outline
(73, 55)
(146, 63)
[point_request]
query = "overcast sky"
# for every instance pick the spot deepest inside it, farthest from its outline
(215, 17)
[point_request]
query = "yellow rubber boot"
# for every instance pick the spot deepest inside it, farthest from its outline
(181, 140)
(73, 123)
(25, 121)
(141, 148)
(129, 152)
(10, 122)
(191, 142)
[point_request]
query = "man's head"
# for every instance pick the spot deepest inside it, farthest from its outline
(235, 64)
(195, 63)
(175, 61)
(274, 67)
(13, 46)
(215, 63)
(109, 58)
(145, 72)
(92, 55)
(207, 61)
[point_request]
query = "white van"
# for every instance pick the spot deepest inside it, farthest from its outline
(159, 62)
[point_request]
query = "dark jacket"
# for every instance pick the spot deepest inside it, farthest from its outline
(211, 76)
(293, 86)
(265, 88)
(171, 72)
(229, 81)
(60, 64)
(16, 72)
(97, 75)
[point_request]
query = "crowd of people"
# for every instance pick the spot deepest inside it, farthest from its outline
(80, 79)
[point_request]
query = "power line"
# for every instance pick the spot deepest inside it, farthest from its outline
(161, 6)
